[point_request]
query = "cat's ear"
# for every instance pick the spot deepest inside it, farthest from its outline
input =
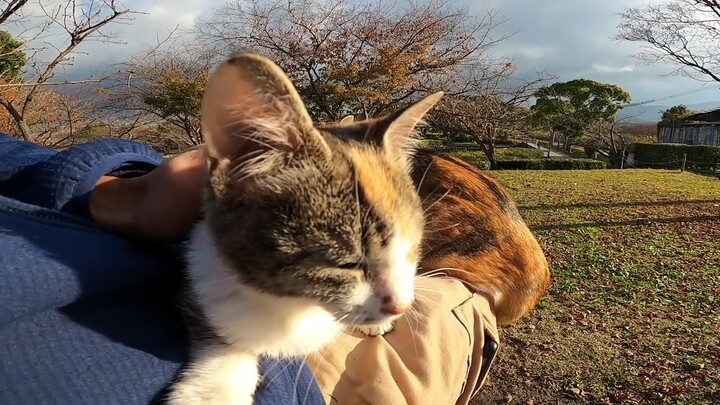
(347, 120)
(396, 131)
(250, 109)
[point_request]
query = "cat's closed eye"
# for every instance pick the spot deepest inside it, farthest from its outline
(351, 265)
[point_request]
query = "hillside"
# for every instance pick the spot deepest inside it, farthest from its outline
(652, 113)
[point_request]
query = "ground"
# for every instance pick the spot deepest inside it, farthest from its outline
(633, 311)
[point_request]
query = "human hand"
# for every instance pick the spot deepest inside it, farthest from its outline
(160, 206)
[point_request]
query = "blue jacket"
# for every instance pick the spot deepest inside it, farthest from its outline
(86, 316)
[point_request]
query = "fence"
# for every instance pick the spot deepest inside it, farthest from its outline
(682, 164)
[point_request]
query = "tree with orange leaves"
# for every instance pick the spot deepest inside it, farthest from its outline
(356, 58)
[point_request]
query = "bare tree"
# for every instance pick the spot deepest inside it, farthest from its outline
(680, 32)
(495, 108)
(361, 58)
(70, 23)
(10, 8)
(162, 89)
(608, 136)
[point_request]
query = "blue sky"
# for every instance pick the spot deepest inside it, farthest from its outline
(566, 38)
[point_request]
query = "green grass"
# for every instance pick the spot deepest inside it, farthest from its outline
(429, 143)
(633, 311)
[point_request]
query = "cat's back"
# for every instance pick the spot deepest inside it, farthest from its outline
(474, 226)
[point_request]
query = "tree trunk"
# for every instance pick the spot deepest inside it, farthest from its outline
(25, 131)
(488, 146)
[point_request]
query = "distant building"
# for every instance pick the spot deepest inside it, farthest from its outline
(697, 129)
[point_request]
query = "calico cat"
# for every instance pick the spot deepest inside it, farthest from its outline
(306, 230)
(475, 233)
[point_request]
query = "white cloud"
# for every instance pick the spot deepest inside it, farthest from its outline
(155, 20)
(602, 68)
(533, 52)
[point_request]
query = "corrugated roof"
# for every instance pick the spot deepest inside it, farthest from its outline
(704, 116)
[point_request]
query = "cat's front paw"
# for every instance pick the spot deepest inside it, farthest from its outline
(218, 375)
(190, 394)
(375, 330)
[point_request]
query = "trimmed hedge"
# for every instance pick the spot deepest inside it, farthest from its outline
(551, 164)
(480, 160)
(429, 143)
(474, 158)
(518, 153)
(669, 155)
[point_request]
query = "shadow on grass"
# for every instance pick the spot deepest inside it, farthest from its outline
(546, 207)
(633, 222)
(707, 173)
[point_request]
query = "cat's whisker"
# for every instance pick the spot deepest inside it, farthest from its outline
(357, 200)
(416, 316)
(307, 392)
(430, 194)
(297, 379)
(278, 374)
(489, 292)
(437, 201)
(443, 229)
(419, 292)
(424, 288)
(268, 371)
(412, 334)
(444, 269)
(426, 298)
(426, 276)
(422, 179)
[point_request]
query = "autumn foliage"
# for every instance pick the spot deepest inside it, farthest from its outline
(360, 59)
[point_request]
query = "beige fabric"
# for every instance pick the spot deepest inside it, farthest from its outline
(433, 356)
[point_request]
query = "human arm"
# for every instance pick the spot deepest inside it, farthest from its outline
(87, 316)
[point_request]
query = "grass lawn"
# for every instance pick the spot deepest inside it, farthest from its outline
(633, 311)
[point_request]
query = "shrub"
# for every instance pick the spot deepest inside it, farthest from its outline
(589, 151)
(479, 159)
(518, 153)
(577, 150)
(551, 164)
(668, 155)
(473, 157)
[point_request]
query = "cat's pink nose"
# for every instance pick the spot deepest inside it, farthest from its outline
(391, 307)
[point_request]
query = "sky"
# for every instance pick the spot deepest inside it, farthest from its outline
(568, 39)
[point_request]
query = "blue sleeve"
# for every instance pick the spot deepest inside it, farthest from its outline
(63, 180)
(88, 317)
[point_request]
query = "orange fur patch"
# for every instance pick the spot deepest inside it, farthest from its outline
(475, 233)
(382, 186)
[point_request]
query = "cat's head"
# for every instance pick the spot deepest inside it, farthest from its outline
(326, 212)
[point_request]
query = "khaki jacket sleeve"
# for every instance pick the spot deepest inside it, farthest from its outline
(436, 354)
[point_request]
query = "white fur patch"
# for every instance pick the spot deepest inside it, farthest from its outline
(217, 375)
(399, 278)
(251, 320)
(361, 295)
